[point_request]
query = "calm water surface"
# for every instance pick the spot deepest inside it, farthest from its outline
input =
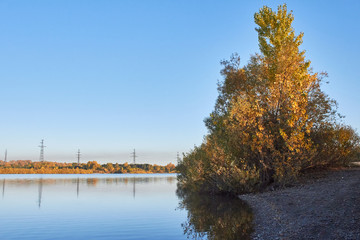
(114, 206)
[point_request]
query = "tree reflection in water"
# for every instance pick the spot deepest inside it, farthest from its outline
(215, 217)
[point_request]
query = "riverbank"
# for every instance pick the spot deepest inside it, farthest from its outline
(322, 205)
(45, 167)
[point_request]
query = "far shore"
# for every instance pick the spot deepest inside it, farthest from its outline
(91, 173)
(322, 205)
(45, 167)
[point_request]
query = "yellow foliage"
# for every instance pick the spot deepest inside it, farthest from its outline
(271, 119)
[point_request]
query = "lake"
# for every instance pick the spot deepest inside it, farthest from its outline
(115, 206)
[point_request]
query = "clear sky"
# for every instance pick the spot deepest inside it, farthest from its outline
(111, 76)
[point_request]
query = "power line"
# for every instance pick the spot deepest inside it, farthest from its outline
(42, 150)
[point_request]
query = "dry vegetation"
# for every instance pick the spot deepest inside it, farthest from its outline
(271, 120)
(29, 167)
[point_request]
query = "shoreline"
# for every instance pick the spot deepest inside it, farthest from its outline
(86, 173)
(324, 205)
(45, 167)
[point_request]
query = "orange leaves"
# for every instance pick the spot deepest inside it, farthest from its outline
(271, 118)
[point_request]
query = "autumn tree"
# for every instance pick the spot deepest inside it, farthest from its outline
(109, 167)
(93, 165)
(271, 119)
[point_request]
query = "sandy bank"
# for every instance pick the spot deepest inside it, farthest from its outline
(326, 206)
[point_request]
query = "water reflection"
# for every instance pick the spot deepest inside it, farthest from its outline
(40, 191)
(77, 187)
(134, 187)
(92, 182)
(3, 189)
(93, 206)
(215, 217)
(83, 183)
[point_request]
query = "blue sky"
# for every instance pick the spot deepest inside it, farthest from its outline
(111, 76)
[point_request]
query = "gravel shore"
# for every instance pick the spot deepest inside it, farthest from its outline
(322, 206)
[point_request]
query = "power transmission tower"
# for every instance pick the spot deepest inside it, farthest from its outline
(42, 150)
(78, 156)
(5, 155)
(133, 155)
(178, 157)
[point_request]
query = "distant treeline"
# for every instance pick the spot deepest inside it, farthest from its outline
(30, 167)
